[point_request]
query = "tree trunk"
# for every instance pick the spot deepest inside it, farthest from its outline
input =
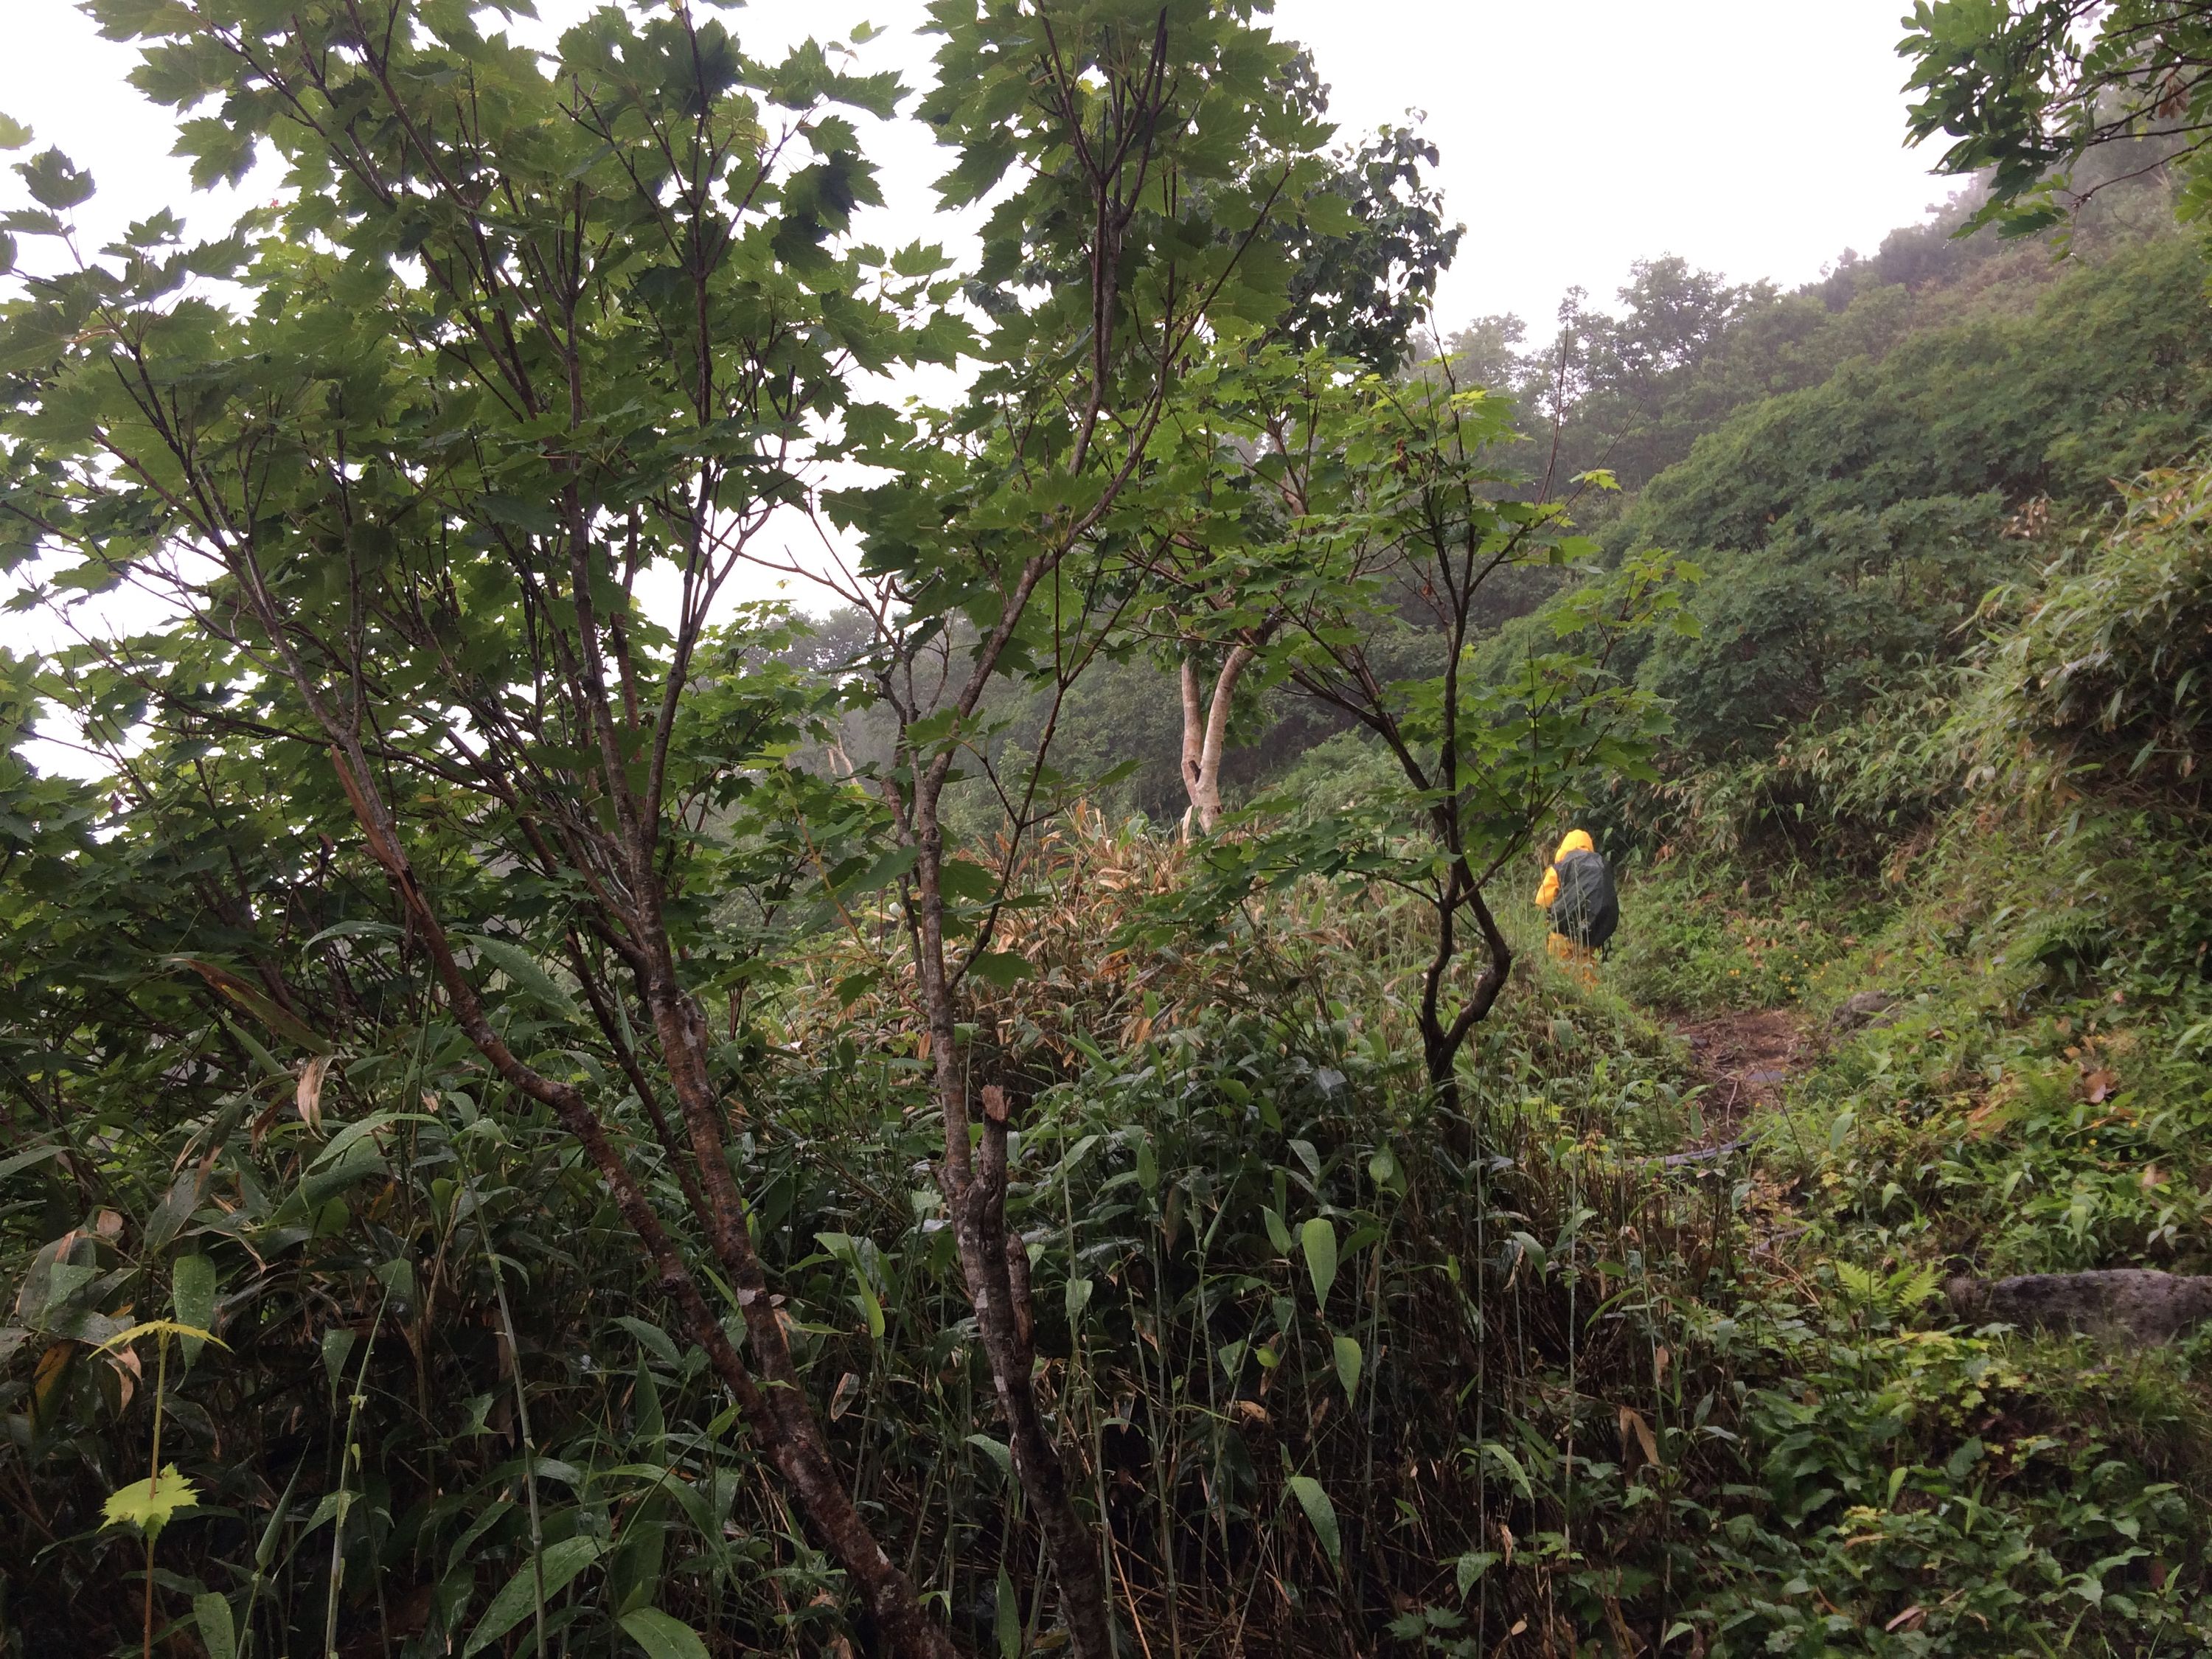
(778, 1414)
(1441, 1041)
(1205, 735)
(795, 1433)
(973, 1184)
(1004, 1321)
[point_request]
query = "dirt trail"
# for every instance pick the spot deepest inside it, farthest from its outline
(1743, 1060)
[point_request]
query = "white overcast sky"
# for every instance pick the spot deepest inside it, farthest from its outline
(1754, 138)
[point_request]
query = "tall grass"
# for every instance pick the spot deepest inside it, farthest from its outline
(1346, 1373)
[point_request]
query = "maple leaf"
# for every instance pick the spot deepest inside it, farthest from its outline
(147, 1505)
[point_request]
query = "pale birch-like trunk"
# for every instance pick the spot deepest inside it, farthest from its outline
(1205, 735)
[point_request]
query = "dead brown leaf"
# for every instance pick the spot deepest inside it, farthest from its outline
(47, 1381)
(1634, 1429)
(128, 1373)
(308, 1096)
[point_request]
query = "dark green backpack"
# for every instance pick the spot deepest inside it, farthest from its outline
(1587, 909)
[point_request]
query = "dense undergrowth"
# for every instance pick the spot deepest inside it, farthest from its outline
(1346, 1371)
(1999, 946)
(2018, 1108)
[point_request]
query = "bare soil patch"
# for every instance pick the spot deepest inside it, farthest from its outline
(1743, 1060)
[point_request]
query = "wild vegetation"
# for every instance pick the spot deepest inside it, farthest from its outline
(1025, 1109)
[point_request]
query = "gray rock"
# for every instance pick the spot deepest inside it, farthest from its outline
(2133, 1303)
(1863, 1008)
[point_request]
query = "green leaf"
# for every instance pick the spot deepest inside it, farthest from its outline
(1506, 1460)
(338, 1343)
(192, 1293)
(265, 1552)
(174, 1210)
(652, 1338)
(872, 1305)
(161, 1328)
(1320, 1513)
(661, 1636)
(270, 1064)
(1349, 1360)
(518, 1596)
(24, 1160)
(243, 995)
(964, 882)
(1009, 1617)
(14, 135)
(1329, 214)
(218, 1634)
(1079, 1299)
(1383, 1170)
(997, 1450)
(846, 1250)
(1318, 1239)
(353, 1134)
(1001, 968)
(1277, 1234)
(524, 974)
(147, 1505)
(54, 180)
(1472, 1565)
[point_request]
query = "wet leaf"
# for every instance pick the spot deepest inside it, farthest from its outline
(661, 1636)
(1009, 1617)
(1320, 1514)
(997, 1450)
(517, 1598)
(192, 1295)
(1471, 1566)
(524, 974)
(1349, 1360)
(1317, 1238)
(218, 1634)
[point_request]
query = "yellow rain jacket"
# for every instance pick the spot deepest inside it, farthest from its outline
(1579, 960)
(1575, 840)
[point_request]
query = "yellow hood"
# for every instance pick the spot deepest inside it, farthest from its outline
(1576, 841)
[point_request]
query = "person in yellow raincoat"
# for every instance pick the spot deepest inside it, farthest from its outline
(1579, 959)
